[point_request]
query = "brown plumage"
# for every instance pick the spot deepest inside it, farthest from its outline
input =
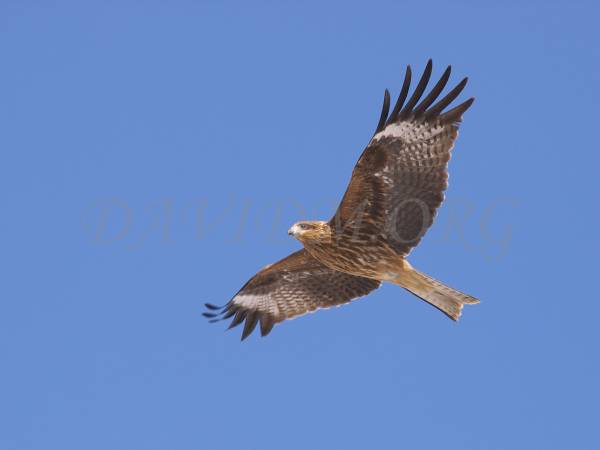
(395, 190)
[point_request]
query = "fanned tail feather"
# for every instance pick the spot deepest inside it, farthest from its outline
(446, 299)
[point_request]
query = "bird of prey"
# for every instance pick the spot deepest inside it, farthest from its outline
(396, 187)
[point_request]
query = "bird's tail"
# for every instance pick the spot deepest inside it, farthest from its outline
(448, 300)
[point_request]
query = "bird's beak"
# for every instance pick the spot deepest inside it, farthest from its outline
(291, 231)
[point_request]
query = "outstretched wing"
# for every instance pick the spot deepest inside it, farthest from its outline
(294, 286)
(399, 181)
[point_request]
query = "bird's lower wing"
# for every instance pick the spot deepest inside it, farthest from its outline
(296, 285)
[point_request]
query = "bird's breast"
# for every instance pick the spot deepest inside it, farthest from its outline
(366, 261)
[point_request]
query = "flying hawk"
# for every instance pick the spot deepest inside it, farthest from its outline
(396, 187)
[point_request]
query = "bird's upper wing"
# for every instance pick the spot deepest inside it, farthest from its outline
(399, 181)
(294, 286)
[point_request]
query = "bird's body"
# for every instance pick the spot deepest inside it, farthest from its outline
(362, 258)
(395, 189)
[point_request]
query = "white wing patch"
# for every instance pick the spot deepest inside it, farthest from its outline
(261, 302)
(410, 132)
(248, 301)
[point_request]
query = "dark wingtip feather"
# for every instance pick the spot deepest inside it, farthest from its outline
(434, 93)
(407, 110)
(251, 321)
(228, 313)
(402, 96)
(384, 111)
(449, 98)
(251, 318)
(239, 317)
(266, 325)
(424, 110)
(455, 114)
(213, 307)
(214, 312)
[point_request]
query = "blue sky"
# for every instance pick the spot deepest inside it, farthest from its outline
(154, 155)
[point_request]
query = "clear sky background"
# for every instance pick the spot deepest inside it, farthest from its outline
(154, 155)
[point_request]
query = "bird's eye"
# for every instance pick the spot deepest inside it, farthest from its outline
(303, 226)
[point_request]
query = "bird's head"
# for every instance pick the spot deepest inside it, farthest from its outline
(311, 231)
